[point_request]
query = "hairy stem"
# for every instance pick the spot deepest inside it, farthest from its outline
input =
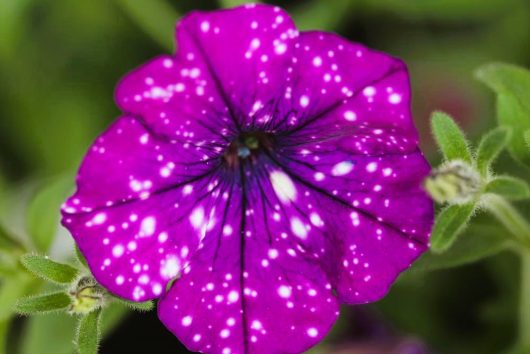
(507, 215)
(520, 230)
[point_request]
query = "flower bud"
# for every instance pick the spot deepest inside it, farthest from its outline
(455, 182)
(87, 296)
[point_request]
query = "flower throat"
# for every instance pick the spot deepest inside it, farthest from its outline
(247, 146)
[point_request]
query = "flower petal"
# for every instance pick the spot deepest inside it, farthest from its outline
(177, 98)
(339, 85)
(246, 51)
(363, 226)
(135, 215)
(232, 296)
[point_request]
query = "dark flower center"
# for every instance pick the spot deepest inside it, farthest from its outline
(247, 146)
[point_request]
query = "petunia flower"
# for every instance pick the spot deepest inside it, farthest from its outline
(257, 179)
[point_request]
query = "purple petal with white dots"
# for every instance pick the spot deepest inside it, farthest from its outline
(271, 174)
(249, 294)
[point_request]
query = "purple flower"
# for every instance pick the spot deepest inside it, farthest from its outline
(267, 174)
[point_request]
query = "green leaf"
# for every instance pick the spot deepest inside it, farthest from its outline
(449, 224)
(156, 17)
(88, 333)
(4, 328)
(7, 241)
(11, 290)
(40, 304)
(234, 3)
(137, 306)
(478, 242)
(49, 270)
(450, 138)
(512, 85)
(112, 316)
(80, 257)
(323, 15)
(44, 211)
(49, 334)
(55, 333)
(509, 187)
(490, 147)
(527, 138)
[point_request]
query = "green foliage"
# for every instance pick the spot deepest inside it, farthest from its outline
(512, 85)
(449, 224)
(478, 242)
(490, 147)
(442, 10)
(7, 241)
(450, 138)
(54, 334)
(10, 291)
(88, 333)
(49, 334)
(47, 269)
(321, 15)
(156, 17)
(137, 306)
(80, 258)
(36, 305)
(44, 211)
(234, 3)
(509, 187)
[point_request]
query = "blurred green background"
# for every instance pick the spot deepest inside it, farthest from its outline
(60, 61)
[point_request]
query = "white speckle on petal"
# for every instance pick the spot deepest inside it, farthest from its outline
(298, 228)
(312, 332)
(117, 251)
(394, 98)
(186, 321)
(197, 217)
(371, 167)
(283, 186)
(342, 168)
(350, 116)
(147, 227)
(284, 291)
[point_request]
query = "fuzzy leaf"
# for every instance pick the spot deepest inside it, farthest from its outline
(43, 212)
(49, 270)
(449, 224)
(512, 85)
(88, 333)
(145, 306)
(509, 187)
(490, 147)
(450, 138)
(42, 303)
(527, 139)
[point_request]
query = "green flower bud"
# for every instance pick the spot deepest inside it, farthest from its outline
(455, 182)
(87, 296)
